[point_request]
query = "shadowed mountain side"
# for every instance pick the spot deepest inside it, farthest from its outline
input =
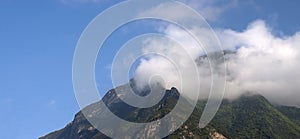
(81, 128)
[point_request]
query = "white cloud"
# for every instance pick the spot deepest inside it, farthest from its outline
(177, 60)
(264, 63)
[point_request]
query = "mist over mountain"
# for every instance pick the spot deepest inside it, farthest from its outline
(248, 115)
(262, 62)
(65, 64)
(261, 85)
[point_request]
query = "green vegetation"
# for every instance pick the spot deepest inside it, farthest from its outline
(292, 113)
(250, 116)
(253, 117)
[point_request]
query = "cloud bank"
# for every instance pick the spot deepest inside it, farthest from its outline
(262, 63)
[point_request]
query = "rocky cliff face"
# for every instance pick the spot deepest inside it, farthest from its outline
(250, 116)
(80, 128)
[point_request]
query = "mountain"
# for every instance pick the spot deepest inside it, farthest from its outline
(81, 128)
(250, 116)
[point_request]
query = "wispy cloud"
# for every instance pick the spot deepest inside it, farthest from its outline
(51, 103)
(7, 101)
(211, 9)
(81, 1)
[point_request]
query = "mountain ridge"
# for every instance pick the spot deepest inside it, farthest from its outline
(250, 116)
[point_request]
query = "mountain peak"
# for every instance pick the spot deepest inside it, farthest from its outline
(250, 116)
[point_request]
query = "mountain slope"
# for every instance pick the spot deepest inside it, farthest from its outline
(292, 113)
(253, 117)
(250, 116)
(81, 128)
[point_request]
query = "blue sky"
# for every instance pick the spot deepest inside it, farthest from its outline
(37, 43)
